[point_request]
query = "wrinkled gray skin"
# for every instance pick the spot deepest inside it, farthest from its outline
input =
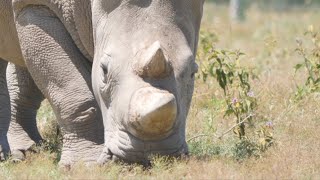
(131, 61)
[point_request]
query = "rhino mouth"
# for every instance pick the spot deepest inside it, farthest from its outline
(151, 127)
(123, 146)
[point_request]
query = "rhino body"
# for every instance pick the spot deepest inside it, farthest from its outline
(117, 73)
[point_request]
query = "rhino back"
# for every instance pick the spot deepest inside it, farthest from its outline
(9, 43)
(74, 14)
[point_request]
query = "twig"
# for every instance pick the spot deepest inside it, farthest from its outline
(219, 137)
(223, 134)
(200, 135)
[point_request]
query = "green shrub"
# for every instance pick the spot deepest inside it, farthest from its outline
(239, 98)
(311, 63)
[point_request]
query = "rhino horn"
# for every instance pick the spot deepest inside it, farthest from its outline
(153, 113)
(153, 63)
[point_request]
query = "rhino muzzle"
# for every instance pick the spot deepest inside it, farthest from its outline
(152, 113)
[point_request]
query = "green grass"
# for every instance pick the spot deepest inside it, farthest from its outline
(268, 39)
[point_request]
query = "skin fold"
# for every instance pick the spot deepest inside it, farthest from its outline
(119, 75)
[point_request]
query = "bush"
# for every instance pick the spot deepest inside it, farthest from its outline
(311, 64)
(239, 99)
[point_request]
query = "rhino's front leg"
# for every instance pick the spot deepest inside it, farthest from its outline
(4, 111)
(63, 75)
(25, 99)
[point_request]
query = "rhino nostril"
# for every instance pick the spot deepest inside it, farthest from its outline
(153, 113)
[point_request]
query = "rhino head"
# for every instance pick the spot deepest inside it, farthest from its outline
(143, 74)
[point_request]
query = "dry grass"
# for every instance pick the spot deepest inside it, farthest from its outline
(296, 152)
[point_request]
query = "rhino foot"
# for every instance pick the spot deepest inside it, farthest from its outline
(105, 157)
(4, 149)
(18, 156)
(3, 153)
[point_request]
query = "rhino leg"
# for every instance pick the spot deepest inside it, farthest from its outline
(4, 111)
(63, 75)
(25, 98)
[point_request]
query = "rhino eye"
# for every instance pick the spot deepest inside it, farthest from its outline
(104, 67)
(105, 63)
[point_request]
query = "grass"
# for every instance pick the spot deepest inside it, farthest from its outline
(268, 39)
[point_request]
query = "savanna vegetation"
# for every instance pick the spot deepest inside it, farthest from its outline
(255, 112)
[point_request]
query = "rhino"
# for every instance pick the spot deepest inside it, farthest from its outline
(119, 75)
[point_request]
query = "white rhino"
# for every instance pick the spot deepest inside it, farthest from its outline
(119, 75)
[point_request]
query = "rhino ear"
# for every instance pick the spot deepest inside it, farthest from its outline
(152, 62)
